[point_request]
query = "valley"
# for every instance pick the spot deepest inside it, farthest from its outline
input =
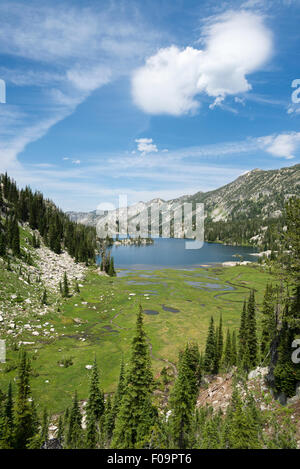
(99, 321)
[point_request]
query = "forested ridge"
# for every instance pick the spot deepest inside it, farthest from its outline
(52, 225)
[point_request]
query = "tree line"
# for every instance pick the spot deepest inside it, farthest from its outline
(19, 206)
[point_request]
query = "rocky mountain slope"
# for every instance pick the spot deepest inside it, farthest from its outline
(256, 195)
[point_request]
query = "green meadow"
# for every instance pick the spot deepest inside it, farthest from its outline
(99, 321)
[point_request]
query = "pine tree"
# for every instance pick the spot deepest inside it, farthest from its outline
(75, 434)
(268, 321)
(24, 421)
(94, 408)
(136, 413)
(2, 242)
(111, 269)
(65, 286)
(243, 333)
(228, 351)
(234, 358)
(120, 390)
(60, 429)
(218, 347)
(251, 330)
(182, 401)
(108, 424)
(7, 433)
(210, 349)
(95, 404)
(15, 237)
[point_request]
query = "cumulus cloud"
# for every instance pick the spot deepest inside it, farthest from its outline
(282, 145)
(146, 145)
(235, 45)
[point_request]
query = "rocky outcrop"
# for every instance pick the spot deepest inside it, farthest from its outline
(52, 267)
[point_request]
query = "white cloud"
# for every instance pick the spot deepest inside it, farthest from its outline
(76, 161)
(282, 145)
(235, 45)
(87, 79)
(64, 53)
(146, 145)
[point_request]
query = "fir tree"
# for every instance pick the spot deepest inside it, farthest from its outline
(15, 237)
(65, 286)
(120, 390)
(210, 349)
(24, 421)
(251, 331)
(7, 433)
(75, 434)
(60, 429)
(95, 404)
(183, 400)
(243, 333)
(136, 412)
(268, 321)
(228, 351)
(108, 424)
(234, 358)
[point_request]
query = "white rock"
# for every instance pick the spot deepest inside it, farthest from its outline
(258, 372)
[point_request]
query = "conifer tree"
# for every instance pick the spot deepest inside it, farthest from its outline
(2, 242)
(94, 408)
(95, 404)
(60, 429)
(228, 351)
(136, 413)
(251, 330)
(243, 333)
(120, 389)
(234, 358)
(183, 400)
(15, 237)
(65, 286)
(218, 346)
(24, 421)
(268, 321)
(7, 433)
(210, 349)
(75, 434)
(108, 423)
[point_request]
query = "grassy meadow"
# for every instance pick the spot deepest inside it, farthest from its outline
(99, 321)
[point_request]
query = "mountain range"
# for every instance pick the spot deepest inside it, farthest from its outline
(256, 198)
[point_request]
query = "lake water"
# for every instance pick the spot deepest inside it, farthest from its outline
(172, 253)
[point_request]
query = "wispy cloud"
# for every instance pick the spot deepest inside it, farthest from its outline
(64, 53)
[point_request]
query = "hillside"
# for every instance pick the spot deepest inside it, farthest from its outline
(245, 211)
(60, 317)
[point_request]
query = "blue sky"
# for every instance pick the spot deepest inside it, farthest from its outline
(158, 98)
